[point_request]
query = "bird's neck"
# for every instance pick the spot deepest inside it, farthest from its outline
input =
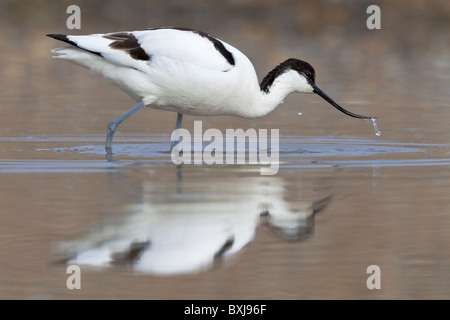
(274, 88)
(261, 99)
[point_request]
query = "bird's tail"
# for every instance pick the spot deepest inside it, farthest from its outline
(73, 52)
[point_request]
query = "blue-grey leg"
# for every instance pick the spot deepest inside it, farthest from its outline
(177, 126)
(112, 126)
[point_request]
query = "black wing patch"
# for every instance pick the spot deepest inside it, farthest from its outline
(218, 45)
(131, 255)
(129, 43)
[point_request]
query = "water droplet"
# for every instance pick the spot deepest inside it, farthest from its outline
(299, 113)
(374, 122)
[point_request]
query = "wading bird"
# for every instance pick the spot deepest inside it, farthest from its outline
(188, 72)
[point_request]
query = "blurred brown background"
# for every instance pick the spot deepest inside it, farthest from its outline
(407, 59)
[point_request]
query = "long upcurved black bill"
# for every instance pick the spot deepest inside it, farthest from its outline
(334, 104)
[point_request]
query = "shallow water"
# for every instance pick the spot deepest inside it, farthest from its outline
(142, 228)
(335, 207)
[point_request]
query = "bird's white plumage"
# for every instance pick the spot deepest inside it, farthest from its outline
(188, 72)
(185, 73)
(185, 47)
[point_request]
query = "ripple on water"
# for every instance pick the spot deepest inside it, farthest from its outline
(294, 152)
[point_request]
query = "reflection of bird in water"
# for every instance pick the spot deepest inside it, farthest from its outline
(188, 72)
(296, 223)
(187, 232)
